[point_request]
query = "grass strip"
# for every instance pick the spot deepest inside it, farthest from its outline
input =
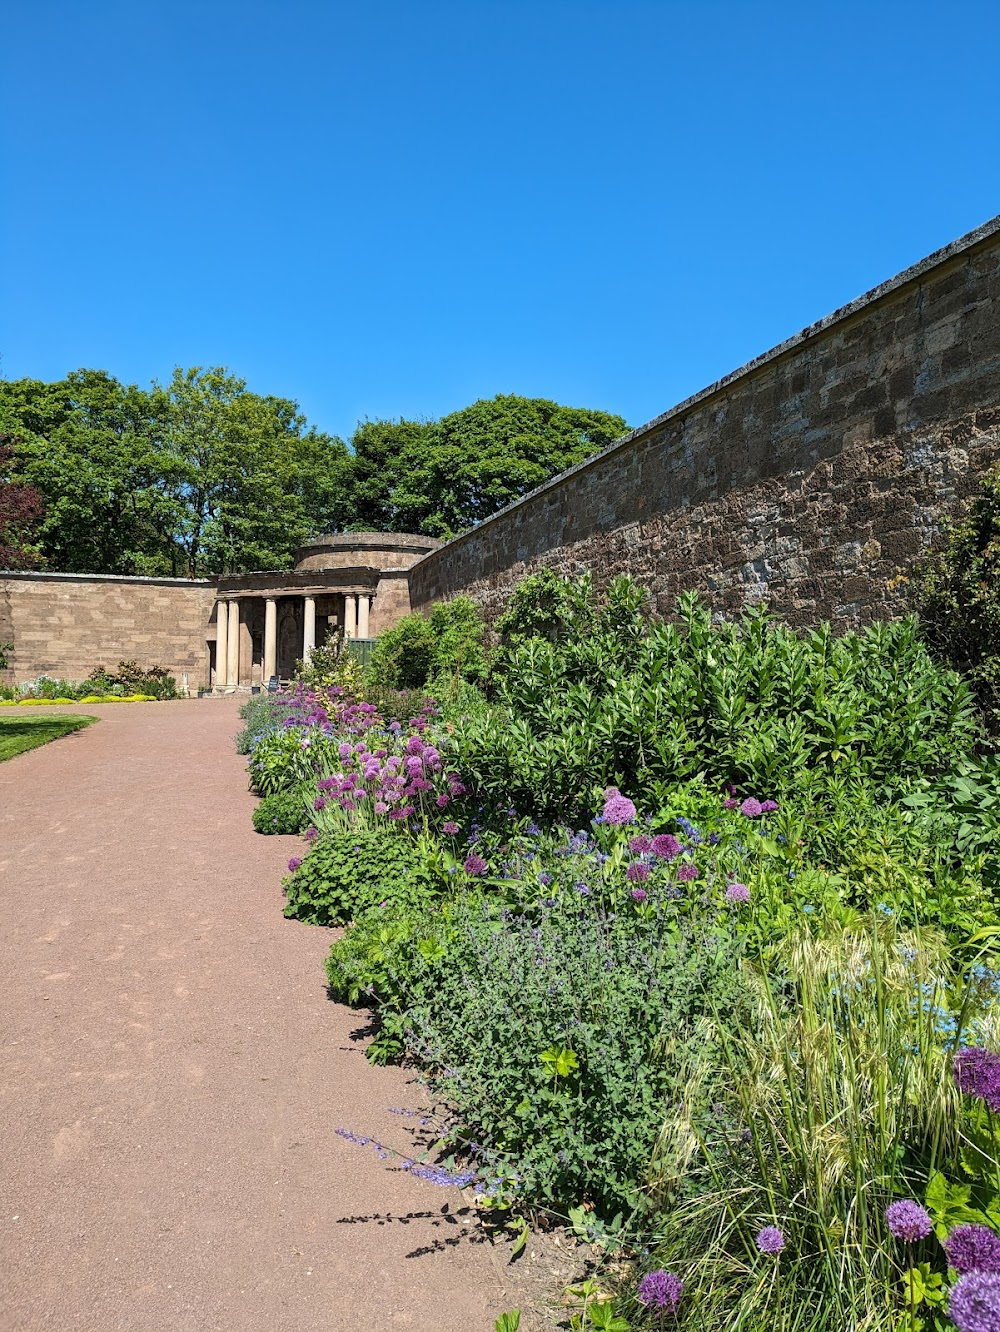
(19, 734)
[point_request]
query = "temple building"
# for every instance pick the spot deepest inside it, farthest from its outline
(354, 584)
(225, 634)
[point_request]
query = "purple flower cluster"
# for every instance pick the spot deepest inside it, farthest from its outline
(977, 1073)
(770, 1240)
(907, 1220)
(661, 1290)
(974, 1302)
(973, 1249)
(737, 892)
(618, 809)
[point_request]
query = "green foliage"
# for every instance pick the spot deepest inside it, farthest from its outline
(444, 648)
(279, 761)
(442, 477)
(750, 703)
(961, 808)
(556, 1036)
(131, 678)
(197, 477)
(285, 813)
(128, 681)
(261, 714)
(837, 1101)
(347, 874)
(957, 596)
(333, 665)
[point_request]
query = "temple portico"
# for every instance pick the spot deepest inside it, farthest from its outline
(266, 622)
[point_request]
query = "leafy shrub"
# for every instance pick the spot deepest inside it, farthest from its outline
(333, 665)
(556, 1036)
(261, 713)
(131, 678)
(347, 874)
(443, 648)
(957, 596)
(751, 704)
(285, 812)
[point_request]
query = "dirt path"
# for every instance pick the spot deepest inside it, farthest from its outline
(172, 1072)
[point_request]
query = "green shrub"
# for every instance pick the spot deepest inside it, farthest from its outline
(556, 1036)
(261, 713)
(333, 665)
(284, 812)
(131, 678)
(445, 646)
(750, 703)
(957, 596)
(347, 874)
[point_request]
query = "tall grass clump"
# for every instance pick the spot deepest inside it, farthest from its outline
(840, 1101)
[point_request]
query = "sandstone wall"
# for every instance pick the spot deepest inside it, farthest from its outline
(811, 478)
(64, 625)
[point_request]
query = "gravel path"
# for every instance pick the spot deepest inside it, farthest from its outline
(172, 1072)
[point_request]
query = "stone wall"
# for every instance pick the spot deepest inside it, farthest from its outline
(810, 478)
(64, 625)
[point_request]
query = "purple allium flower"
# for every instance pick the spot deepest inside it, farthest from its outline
(907, 1220)
(294, 863)
(737, 892)
(618, 809)
(637, 872)
(770, 1240)
(475, 864)
(344, 750)
(973, 1249)
(751, 808)
(730, 803)
(442, 801)
(319, 803)
(311, 834)
(661, 1290)
(381, 807)
(977, 1073)
(974, 1302)
(686, 873)
(666, 846)
(450, 829)
(639, 895)
(639, 845)
(767, 806)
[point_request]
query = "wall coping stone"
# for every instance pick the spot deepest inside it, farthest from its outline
(957, 249)
(35, 575)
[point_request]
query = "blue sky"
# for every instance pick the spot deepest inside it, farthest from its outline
(385, 209)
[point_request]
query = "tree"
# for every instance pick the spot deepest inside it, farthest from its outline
(445, 476)
(87, 443)
(20, 507)
(200, 476)
(246, 479)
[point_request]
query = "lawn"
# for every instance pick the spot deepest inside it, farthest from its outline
(18, 734)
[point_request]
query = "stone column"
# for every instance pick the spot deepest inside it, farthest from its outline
(270, 665)
(363, 617)
(233, 669)
(309, 630)
(221, 643)
(350, 615)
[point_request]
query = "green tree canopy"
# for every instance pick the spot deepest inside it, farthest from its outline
(196, 477)
(442, 477)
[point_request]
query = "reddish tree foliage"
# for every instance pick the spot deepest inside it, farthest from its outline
(20, 506)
